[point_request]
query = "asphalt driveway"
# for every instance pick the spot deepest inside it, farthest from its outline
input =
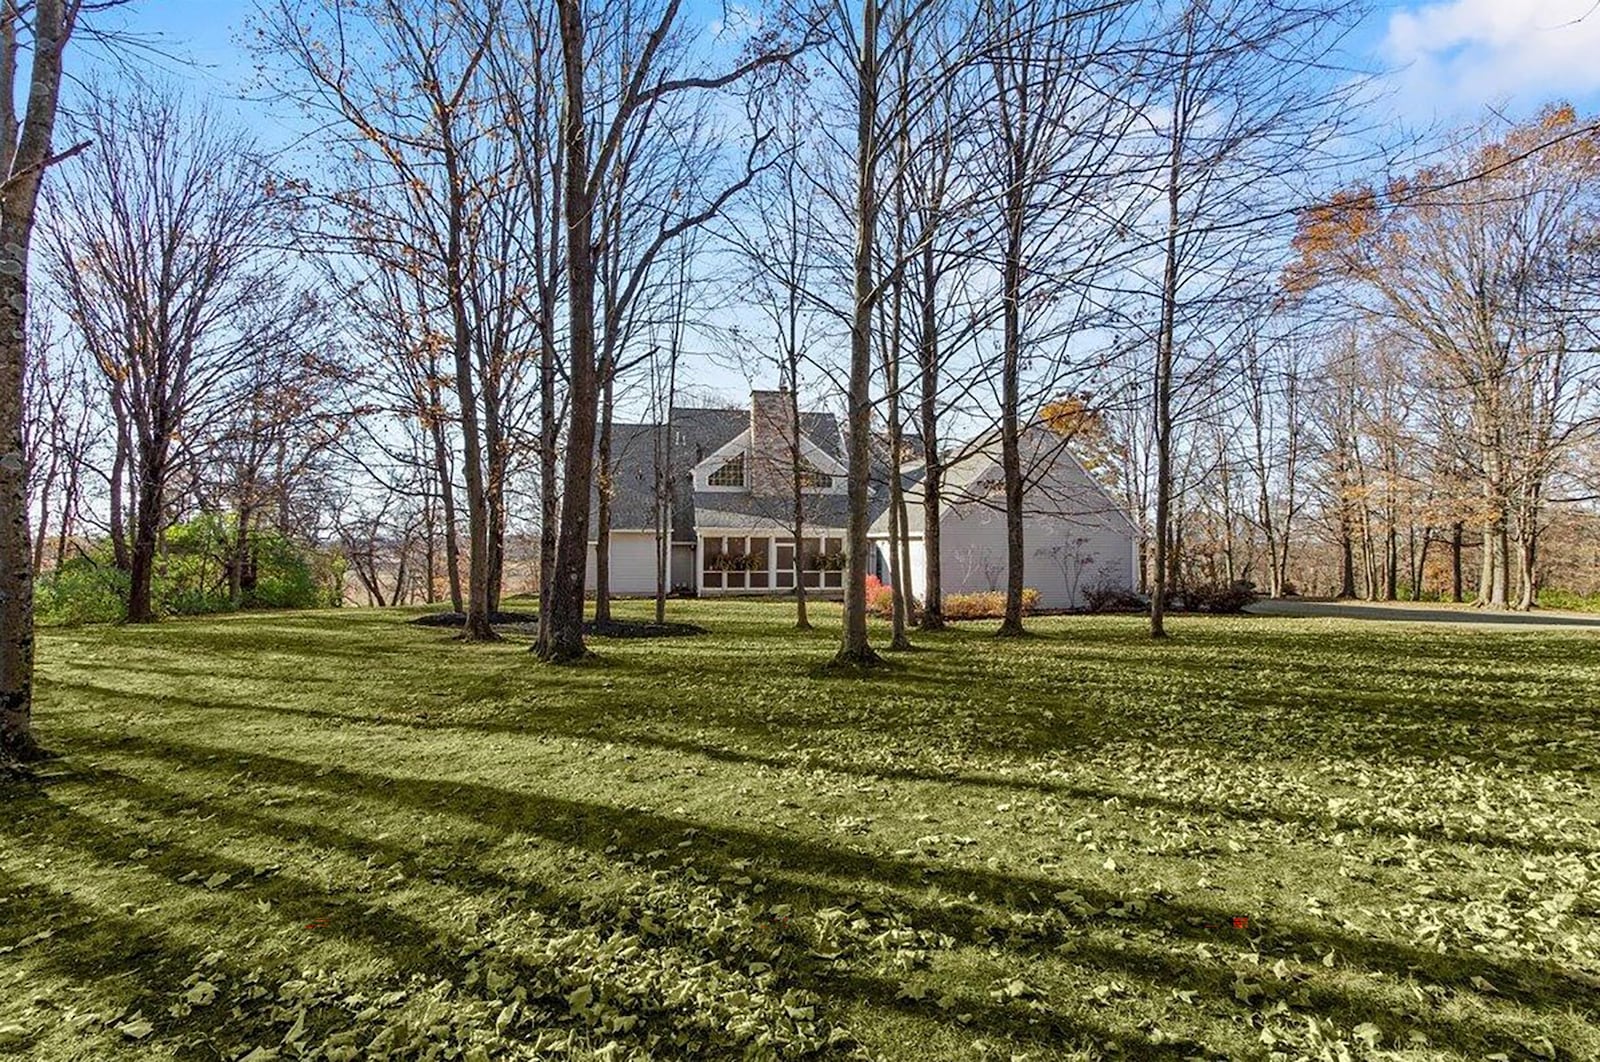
(1423, 612)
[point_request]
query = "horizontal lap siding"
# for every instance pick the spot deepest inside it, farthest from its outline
(633, 563)
(1069, 529)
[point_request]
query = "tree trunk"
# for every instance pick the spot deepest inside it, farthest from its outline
(854, 648)
(801, 621)
(564, 641)
(1010, 399)
(1456, 593)
(43, 534)
(430, 552)
(1163, 400)
(932, 592)
(146, 528)
(447, 513)
(905, 553)
(1347, 558)
(25, 162)
(1391, 562)
(602, 524)
(549, 497)
(241, 557)
(664, 480)
(1419, 576)
(17, 741)
(477, 626)
(1527, 569)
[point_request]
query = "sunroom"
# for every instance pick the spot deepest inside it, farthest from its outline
(742, 562)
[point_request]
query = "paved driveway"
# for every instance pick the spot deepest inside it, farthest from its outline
(1409, 612)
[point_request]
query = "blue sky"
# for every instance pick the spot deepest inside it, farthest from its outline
(1450, 58)
(1447, 59)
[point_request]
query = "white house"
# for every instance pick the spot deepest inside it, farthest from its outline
(732, 508)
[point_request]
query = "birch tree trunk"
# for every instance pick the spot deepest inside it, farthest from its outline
(25, 153)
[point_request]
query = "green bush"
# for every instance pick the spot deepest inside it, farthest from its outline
(80, 591)
(1571, 602)
(191, 577)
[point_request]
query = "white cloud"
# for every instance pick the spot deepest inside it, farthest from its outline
(1455, 56)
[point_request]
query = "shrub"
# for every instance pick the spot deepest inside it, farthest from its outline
(82, 590)
(1111, 597)
(191, 577)
(880, 597)
(1566, 599)
(1218, 598)
(990, 604)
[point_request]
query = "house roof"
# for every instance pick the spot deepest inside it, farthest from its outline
(736, 511)
(972, 476)
(697, 433)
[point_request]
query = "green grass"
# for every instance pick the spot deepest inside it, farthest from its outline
(336, 835)
(1566, 599)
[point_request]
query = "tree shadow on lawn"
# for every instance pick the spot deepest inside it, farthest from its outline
(94, 946)
(1091, 708)
(815, 875)
(613, 729)
(160, 962)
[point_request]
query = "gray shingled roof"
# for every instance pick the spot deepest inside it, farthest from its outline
(972, 475)
(698, 432)
(633, 476)
(749, 512)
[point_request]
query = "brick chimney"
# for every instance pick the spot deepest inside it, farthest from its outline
(771, 429)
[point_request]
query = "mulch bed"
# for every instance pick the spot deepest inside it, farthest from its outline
(528, 623)
(457, 619)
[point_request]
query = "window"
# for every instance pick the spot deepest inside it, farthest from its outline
(711, 551)
(812, 479)
(731, 474)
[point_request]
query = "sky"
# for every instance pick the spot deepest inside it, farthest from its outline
(1444, 63)
(1447, 60)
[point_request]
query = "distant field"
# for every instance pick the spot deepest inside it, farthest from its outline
(340, 836)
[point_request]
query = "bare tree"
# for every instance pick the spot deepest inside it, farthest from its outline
(781, 241)
(161, 243)
(1251, 99)
(434, 172)
(597, 130)
(60, 430)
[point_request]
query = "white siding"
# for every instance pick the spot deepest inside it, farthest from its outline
(919, 581)
(1072, 540)
(633, 563)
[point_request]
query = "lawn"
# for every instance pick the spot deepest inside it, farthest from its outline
(342, 836)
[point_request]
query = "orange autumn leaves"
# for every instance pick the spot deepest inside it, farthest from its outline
(1358, 229)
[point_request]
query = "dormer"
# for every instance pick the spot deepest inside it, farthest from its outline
(726, 468)
(759, 460)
